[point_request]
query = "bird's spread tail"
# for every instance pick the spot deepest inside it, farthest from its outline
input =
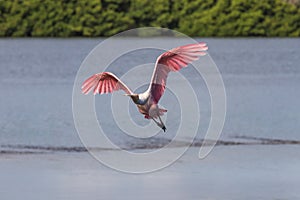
(162, 111)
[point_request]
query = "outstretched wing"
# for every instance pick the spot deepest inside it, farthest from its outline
(173, 60)
(105, 82)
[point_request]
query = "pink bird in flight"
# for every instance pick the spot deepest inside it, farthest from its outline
(147, 102)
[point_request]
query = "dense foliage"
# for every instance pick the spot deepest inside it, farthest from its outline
(108, 17)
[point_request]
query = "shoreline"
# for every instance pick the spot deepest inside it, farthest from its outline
(241, 140)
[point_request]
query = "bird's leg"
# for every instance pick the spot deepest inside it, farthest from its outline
(161, 125)
(156, 122)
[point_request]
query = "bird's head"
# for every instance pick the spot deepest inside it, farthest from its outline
(134, 97)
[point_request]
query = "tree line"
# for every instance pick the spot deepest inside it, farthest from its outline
(198, 18)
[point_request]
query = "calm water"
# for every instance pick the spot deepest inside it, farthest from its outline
(261, 76)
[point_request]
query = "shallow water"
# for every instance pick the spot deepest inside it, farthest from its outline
(261, 77)
(230, 173)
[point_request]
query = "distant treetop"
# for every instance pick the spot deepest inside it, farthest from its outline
(197, 18)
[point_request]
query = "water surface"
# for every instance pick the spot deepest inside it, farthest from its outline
(261, 76)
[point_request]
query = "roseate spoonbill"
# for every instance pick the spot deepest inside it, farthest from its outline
(147, 102)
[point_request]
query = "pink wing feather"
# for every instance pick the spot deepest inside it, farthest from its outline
(173, 60)
(105, 82)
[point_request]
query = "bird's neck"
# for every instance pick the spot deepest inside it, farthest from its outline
(139, 99)
(135, 98)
